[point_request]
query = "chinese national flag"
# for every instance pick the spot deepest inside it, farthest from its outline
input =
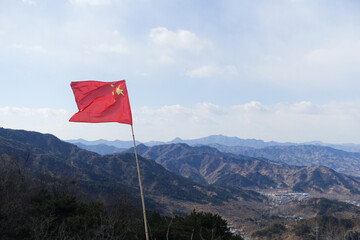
(101, 102)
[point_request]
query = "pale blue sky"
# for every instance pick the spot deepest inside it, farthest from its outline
(284, 70)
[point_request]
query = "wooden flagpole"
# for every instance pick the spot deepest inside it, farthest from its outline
(141, 190)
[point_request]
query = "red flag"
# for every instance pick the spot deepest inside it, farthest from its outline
(101, 102)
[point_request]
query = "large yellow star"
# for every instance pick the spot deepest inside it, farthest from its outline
(119, 91)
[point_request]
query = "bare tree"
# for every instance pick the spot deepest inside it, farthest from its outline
(168, 230)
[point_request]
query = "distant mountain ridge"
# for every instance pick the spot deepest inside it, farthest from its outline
(228, 141)
(221, 140)
(303, 155)
(116, 143)
(102, 148)
(256, 143)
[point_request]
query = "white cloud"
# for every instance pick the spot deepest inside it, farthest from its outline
(44, 120)
(29, 2)
(23, 111)
(305, 107)
(111, 48)
(208, 71)
(162, 59)
(165, 110)
(299, 108)
(176, 120)
(179, 40)
(209, 108)
(334, 122)
(201, 109)
(177, 114)
(329, 65)
(253, 106)
(83, 3)
(30, 48)
(341, 53)
(274, 50)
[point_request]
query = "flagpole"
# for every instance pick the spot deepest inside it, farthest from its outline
(141, 191)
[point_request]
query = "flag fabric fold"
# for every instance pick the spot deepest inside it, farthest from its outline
(101, 102)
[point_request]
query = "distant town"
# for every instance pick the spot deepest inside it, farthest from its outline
(280, 197)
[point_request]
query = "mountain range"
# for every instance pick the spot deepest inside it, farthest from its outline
(48, 157)
(200, 169)
(221, 140)
(330, 156)
(205, 164)
(178, 177)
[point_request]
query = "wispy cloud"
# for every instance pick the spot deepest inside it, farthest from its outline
(179, 40)
(207, 108)
(212, 71)
(29, 48)
(90, 2)
(29, 2)
(334, 122)
(162, 59)
(164, 110)
(23, 111)
(111, 48)
(253, 106)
